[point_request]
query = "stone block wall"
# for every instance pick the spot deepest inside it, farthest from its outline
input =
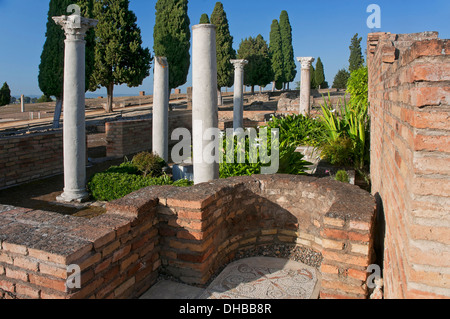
(409, 95)
(189, 233)
(30, 157)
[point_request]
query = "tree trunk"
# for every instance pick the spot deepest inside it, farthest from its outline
(219, 97)
(57, 115)
(273, 86)
(260, 90)
(253, 89)
(109, 102)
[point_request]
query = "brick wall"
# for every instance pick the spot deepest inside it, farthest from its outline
(30, 157)
(189, 233)
(409, 93)
(131, 137)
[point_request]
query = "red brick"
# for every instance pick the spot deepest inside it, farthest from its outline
(103, 265)
(128, 261)
(28, 290)
(121, 253)
(16, 274)
(7, 285)
(26, 263)
(341, 234)
(53, 270)
(47, 282)
(16, 249)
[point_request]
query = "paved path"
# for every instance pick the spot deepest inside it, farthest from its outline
(251, 278)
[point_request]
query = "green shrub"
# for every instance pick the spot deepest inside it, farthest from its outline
(119, 181)
(339, 152)
(149, 164)
(346, 122)
(342, 176)
(358, 87)
(298, 129)
(290, 162)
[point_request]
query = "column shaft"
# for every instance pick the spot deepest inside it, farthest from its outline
(238, 114)
(161, 108)
(74, 133)
(204, 102)
(305, 86)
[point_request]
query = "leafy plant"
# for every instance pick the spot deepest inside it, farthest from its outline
(149, 164)
(298, 130)
(339, 152)
(347, 122)
(119, 181)
(358, 87)
(342, 176)
(290, 162)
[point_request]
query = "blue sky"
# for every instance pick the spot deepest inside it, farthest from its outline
(320, 29)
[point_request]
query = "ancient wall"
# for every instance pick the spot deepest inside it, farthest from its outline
(131, 137)
(409, 94)
(30, 157)
(189, 233)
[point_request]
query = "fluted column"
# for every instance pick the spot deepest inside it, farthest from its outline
(74, 134)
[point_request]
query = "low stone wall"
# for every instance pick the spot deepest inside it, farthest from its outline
(130, 137)
(30, 157)
(189, 233)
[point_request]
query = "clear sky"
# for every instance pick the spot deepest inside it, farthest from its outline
(320, 29)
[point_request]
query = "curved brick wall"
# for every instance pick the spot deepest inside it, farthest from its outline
(189, 233)
(202, 227)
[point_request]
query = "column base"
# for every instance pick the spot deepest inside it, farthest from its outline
(79, 196)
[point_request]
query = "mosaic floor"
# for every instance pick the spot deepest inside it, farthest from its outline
(252, 278)
(264, 278)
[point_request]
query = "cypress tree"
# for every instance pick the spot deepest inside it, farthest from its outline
(172, 36)
(225, 51)
(51, 67)
(258, 71)
(276, 55)
(313, 78)
(319, 74)
(356, 59)
(119, 55)
(204, 19)
(341, 79)
(5, 95)
(290, 70)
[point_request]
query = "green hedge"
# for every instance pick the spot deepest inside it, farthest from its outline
(119, 181)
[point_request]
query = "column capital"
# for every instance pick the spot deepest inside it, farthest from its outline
(306, 62)
(75, 26)
(239, 63)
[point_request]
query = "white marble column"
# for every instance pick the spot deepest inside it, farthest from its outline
(305, 85)
(22, 104)
(161, 108)
(74, 133)
(238, 114)
(205, 113)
